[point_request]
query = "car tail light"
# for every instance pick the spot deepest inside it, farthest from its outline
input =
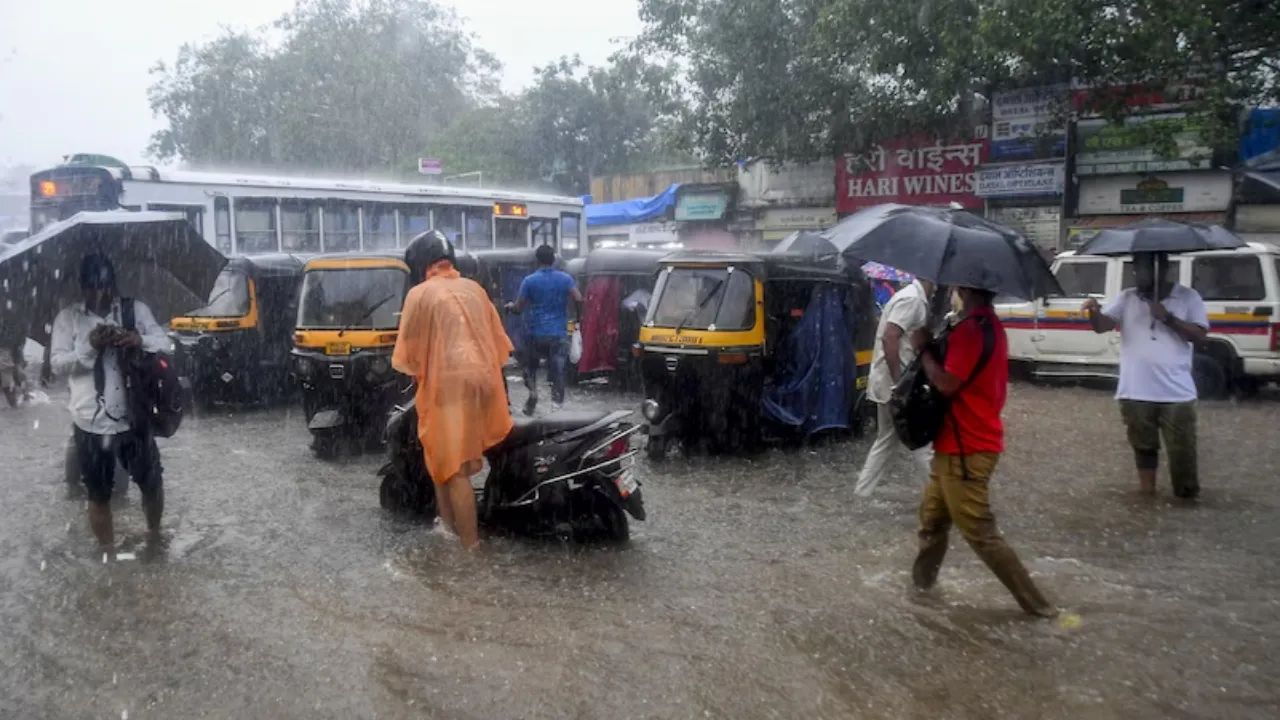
(1275, 337)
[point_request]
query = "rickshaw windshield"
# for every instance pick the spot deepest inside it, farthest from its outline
(229, 297)
(354, 298)
(698, 298)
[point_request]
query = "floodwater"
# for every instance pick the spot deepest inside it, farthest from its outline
(759, 588)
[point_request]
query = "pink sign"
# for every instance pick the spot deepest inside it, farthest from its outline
(912, 172)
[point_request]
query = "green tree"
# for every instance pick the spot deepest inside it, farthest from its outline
(584, 121)
(802, 79)
(344, 85)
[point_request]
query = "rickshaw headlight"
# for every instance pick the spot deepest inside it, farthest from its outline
(651, 410)
(302, 366)
(379, 366)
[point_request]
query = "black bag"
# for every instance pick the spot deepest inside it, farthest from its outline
(917, 407)
(151, 382)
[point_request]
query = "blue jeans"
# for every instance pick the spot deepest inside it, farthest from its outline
(556, 350)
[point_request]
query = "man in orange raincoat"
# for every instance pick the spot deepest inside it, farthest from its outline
(452, 343)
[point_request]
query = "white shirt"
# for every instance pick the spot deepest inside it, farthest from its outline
(71, 354)
(909, 310)
(1155, 363)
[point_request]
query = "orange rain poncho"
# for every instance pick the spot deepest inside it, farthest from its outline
(451, 342)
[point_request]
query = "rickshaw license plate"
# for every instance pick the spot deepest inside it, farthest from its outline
(340, 348)
(626, 483)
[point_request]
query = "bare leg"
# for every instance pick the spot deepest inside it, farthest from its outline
(444, 507)
(100, 522)
(1147, 481)
(463, 499)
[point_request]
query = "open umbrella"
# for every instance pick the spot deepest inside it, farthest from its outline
(159, 257)
(880, 271)
(949, 247)
(805, 242)
(1161, 236)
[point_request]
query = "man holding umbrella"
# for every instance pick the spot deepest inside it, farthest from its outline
(90, 343)
(1161, 322)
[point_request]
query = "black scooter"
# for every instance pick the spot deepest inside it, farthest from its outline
(567, 474)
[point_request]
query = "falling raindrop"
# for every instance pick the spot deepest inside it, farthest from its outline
(43, 565)
(36, 425)
(104, 558)
(115, 679)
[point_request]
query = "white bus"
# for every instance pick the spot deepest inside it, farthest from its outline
(248, 215)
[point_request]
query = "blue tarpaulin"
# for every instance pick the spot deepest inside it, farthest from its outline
(1262, 133)
(811, 391)
(626, 212)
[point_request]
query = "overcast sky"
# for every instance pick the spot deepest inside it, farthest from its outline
(74, 73)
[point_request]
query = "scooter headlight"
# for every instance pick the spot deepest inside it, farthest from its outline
(651, 410)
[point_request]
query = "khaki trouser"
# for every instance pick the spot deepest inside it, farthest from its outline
(1147, 422)
(951, 499)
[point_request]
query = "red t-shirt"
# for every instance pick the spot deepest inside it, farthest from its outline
(976, 409)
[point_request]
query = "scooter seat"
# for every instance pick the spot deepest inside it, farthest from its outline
(527, 431)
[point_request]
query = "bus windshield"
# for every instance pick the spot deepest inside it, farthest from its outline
(355, 298)
(699, 298)
(229, 297)
(59, 193)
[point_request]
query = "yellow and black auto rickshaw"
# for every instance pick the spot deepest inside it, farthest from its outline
(236, 348)
(348, 316)
(617, 286)
(736, 341)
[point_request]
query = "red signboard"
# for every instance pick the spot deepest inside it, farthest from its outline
(912, 172)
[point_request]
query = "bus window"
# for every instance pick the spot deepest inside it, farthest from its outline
(414, 220)
(479, 228)
(449, 221)
(222, 225)
(341, 227)
(299, 226)
(256, 225)
(511, 233)
(544, 232)
(379, 227)
(569, 237)
(194, 213)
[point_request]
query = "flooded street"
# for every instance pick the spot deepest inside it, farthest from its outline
(757, 589)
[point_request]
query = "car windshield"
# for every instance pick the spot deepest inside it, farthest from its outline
(229, 297)
(699, 298)
(356, 298)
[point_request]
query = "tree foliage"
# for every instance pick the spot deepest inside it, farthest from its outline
(376, 84)
(802, 79)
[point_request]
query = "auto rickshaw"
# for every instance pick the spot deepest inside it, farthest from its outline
(617, 285)
(734, 341)
(501, 272)
(347, 322)
(236, 348)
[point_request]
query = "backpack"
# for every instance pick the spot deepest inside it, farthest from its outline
(152, 383)
(917, 407)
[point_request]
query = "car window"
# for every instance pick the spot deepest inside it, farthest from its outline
(1079, 279)
(1126, 274)
(1228, 278)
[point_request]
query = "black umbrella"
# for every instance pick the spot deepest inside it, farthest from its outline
(949, 247)
(805, 242)
(1161, 236)
(159, 257)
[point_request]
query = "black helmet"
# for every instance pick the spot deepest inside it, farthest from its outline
(426, 250)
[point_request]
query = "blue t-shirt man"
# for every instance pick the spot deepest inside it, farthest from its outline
(545, 294)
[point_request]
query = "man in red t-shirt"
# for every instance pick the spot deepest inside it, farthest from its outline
(966, 452)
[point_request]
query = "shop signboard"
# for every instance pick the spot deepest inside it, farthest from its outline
(1104, 148)
(1020, 180)
(913, 172)
(1145, 195)
(1026, 124)
(701, 205)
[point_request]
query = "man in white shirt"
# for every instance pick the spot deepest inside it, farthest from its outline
(1159, 323)
(906, 312)
(89, 346)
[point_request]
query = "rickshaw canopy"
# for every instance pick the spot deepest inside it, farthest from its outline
(623, 261)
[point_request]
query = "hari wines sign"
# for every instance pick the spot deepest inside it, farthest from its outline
(912, 172)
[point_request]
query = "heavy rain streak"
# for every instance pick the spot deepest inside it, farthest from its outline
(647, 359)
